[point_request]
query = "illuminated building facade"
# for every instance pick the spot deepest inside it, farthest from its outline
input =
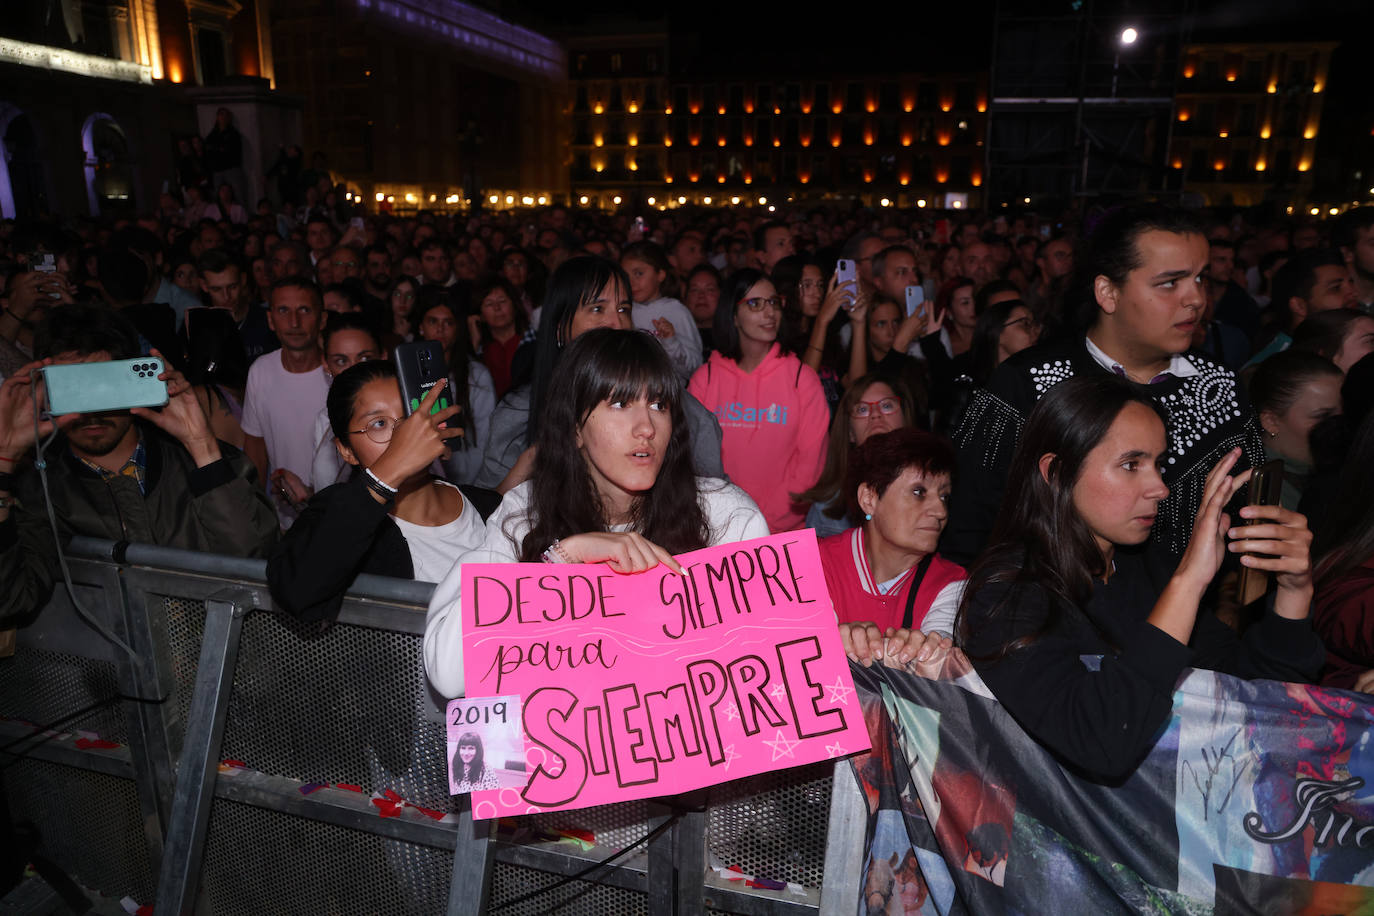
(640, 132)
(427, 103)
(1247, 118)
(93, 96)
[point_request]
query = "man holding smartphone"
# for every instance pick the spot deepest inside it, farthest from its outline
(140, 475)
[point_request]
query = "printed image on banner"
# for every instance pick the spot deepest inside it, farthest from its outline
(486, 745)
(636, 686)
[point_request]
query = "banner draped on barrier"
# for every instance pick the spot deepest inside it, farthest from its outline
(1257, 797)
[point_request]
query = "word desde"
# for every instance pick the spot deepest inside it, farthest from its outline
(652, 684)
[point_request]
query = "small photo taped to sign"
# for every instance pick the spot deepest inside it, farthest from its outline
(486, 745)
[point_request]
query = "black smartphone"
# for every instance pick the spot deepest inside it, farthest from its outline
(419, 367)
(1266, 488)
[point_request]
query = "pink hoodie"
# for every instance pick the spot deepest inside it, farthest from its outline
(773, 423)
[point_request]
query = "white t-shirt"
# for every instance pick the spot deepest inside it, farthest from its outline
(730, 515)
(280, 408)
(327, 465)
(434, 548)
(684, 347)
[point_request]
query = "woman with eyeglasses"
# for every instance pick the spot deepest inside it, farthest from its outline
(772, 410)
(874, 404)
(1004, 329)
(390, 518)
(401, 302)
(884, 575)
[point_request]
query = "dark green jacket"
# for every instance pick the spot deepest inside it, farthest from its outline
(219, 508)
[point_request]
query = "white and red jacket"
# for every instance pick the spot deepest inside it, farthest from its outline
(857, 598)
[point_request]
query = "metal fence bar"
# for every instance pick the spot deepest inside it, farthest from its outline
(671, 871)
(149, 713)
(844, 846)
(185, 845)
(470, 889)
(689, 852)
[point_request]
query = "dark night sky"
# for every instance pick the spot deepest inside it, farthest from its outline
(922, 35)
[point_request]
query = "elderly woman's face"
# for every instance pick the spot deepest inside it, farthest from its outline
(912, 511)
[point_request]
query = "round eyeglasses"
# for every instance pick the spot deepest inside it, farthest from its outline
(865, 409)
(759, 303)
(380, 429)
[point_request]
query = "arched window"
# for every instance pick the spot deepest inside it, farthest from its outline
(109, 169)
(24, 189)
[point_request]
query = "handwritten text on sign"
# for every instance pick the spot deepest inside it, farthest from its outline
(654, 684)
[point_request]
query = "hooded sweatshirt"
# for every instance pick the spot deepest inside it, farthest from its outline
(773, 425)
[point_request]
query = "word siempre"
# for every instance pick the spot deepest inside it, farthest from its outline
(657, 683)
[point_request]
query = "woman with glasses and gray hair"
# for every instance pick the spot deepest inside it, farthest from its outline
(772, 410)
(390, 517)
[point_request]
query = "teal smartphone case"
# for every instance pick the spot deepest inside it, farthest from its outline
(98, 387)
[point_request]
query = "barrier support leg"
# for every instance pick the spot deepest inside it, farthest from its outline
(470, 891)
(689, 841)
(844, 844)
(179, 877)
(150, 717)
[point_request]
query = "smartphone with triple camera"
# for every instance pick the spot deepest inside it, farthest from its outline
(419, 367)
(100, 387)
(1266, 487)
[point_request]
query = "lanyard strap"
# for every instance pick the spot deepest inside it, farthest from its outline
(916, 580)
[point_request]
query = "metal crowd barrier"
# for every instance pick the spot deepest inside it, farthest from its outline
(130, 798)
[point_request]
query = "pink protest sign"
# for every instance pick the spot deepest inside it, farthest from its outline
(654, 684)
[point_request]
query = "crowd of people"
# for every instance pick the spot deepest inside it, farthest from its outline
(1019, 437)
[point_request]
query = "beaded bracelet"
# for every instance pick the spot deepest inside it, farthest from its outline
(555, 553)
(375, 484)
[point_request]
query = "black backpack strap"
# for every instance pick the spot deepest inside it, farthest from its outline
(916, 579)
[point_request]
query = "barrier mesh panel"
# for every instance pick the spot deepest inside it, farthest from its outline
(614, 826)
(346, 705)
(185, 627)
(259, 861)
(773, 825)
(39, 686)
(88, 823)
(576, 898)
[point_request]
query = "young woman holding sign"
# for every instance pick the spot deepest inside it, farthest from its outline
(612, 483)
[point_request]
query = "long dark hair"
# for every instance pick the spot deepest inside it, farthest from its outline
(605, 364)
(1345, 539)
(987, 337)
(1039, 538)
(478, 768)
(457, 356)
(485, 289)
(577, 280)
(724, 330)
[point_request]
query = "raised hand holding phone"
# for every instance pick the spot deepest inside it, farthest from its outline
(417, 440)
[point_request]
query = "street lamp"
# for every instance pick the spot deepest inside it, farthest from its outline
(1124, 40)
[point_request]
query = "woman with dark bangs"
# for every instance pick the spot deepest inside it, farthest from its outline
(470, 770)
(623, 494)
(1068, 576)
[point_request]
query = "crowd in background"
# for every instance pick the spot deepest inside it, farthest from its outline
(891, 409)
